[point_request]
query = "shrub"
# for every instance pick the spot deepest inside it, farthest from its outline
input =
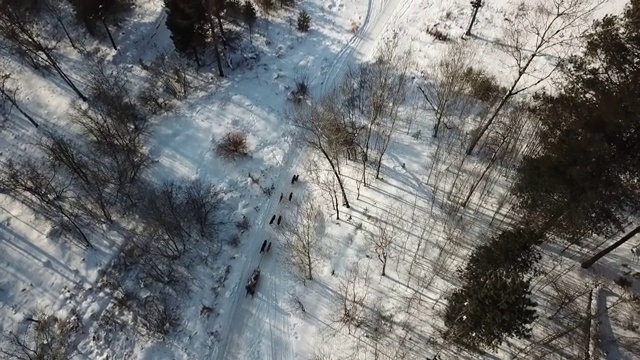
(482, 86)
(233, 145)
(159, 315)
(300, 89)
(304, 21)
(439, 35)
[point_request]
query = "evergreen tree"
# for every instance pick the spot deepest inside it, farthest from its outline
(304, 21)
(187, 21)
(249, 15)
(584, 180)
(494, 302)
(512, 251)
(234, 10)
(483, 314)
(217, 8)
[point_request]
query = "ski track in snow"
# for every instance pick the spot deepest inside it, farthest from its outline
(268, 306)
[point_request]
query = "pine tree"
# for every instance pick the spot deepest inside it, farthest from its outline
(304, 21)
(187, 21)
(249, 15)
(584, 178)
(483, 314)
(494, 302)
(512, 251)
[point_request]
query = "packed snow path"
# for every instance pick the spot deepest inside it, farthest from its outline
(260, 327)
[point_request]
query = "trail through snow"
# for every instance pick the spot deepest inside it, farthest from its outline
(260, 327)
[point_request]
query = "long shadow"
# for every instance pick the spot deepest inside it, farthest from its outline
(507, 46)
(28, 249)
(605, 329)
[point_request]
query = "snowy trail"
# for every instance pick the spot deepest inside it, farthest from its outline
(260, 327)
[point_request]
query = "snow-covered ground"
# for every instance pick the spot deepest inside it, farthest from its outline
(40, 273)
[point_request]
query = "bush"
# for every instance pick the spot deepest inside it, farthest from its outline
(482, 86)
(304, 21)
(158, 315)
(233, 145)
(300, 89)
(439, 35)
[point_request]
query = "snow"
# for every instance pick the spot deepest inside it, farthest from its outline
(41, 273)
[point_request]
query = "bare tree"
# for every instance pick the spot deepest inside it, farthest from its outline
(47, 337)
(539, 28)
(56, 9)
(447, 93)
(384, 235)
(29, 34)
(90, 180)
(303, 237)
(353, 291)
(324, 179)
(176, 216)
(373, 93)
(116, 127)
(325, 132)
(8, 98)
(159, 314)
(41, 182)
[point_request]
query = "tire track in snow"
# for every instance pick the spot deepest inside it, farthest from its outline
(340, 60)
(375, 10)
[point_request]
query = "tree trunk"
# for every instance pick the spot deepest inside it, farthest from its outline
(64, 76)
(216, 54)
(384, 266)
(15, 104)
(335, 172)
(309, 276)
(502, 103)
(64, 28)
(113, 43)
(473, 20)
(475, 185)
(587, 264)
(84, 237)
(224, 39)
(195, 55)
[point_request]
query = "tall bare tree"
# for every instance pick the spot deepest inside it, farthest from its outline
(325, 131)
(373, 93)
(42, 183)
(9, 100)
(303, 237)
(29, 35)
(384, 235)
(539, 28)
(447, 93)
